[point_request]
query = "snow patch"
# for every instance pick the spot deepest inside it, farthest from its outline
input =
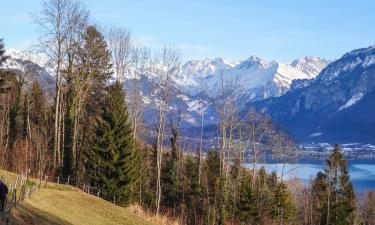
(317, 134)
(368, 61)
(356, 98)
(197, 106)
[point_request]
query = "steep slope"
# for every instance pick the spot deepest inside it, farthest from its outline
(63, 204)
(337, 106)
(53, 206)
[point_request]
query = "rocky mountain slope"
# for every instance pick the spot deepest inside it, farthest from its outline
(336, 106)
(198, 83)
(31, 67)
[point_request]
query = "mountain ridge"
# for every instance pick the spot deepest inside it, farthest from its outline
(336, 106)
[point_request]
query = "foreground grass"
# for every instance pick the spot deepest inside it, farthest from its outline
(61, 204)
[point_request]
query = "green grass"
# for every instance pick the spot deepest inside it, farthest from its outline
(62, 204)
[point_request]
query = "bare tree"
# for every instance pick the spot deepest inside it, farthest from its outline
(257, 130)
(283, 146)
(166, 63)
(200, 154)
(138, 89)
(120, 44)
(226, 106)
(58, 21)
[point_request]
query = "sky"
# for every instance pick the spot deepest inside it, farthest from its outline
(281, 30)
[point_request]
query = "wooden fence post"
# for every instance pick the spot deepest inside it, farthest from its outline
(68, 180)
(14, 198)
(46, 177)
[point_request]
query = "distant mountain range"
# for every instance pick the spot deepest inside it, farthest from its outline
(313, 98)
(256, 78)
(336, 106)
(32, 67)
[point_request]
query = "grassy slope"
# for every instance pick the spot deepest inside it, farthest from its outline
(60, 204)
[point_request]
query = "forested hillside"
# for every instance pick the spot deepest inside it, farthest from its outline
(90, 132)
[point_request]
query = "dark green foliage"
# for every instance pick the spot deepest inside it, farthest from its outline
(112, 160)
(15, 120)
(193, 196)
(88, 72)
(283, 208)
(333, 193)
(213, 182)
(268, 200)
(246, 204)
(233, 188)
(170, 182)
(213, 172)
(170, 179)
(264, 196)
(221, 201)
(68, 167)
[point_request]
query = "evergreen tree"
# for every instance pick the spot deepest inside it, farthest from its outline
(170, 179)
(170, 187)
(192, 192)
(112, 160)
(333, 192)
(213, 182)
(246, 205)
(283, 208)
(39, 124)
(264, 196)
(88, 72)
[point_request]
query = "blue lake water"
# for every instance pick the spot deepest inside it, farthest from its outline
(362, 171)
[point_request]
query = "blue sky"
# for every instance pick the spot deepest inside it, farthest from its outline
(272, 29)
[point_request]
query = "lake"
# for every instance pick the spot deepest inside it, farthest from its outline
(362, 171)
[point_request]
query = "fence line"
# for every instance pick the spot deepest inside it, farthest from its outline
(19, 189)
(84, 186)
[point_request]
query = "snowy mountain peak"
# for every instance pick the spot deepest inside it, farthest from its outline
(37, 58)
(359, 59)
(32, 66)
(258, 78)
(329, 105)
(253, 61)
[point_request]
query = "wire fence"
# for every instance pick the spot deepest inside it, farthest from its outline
(22, 187)
(19, 189)
(84, 186)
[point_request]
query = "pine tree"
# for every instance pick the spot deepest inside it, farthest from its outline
(88, 72)
(112, 159)
(170, 179)
(39, 124)
(264, 196)
(192, 191)
(283, 208)
(246, 207)
(333, 192)
(170, 187)
(213, 185)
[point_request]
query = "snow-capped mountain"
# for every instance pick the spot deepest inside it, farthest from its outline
(31, 66)
(198, 82)
(194, 72)
(336, 106)
(255, 78)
